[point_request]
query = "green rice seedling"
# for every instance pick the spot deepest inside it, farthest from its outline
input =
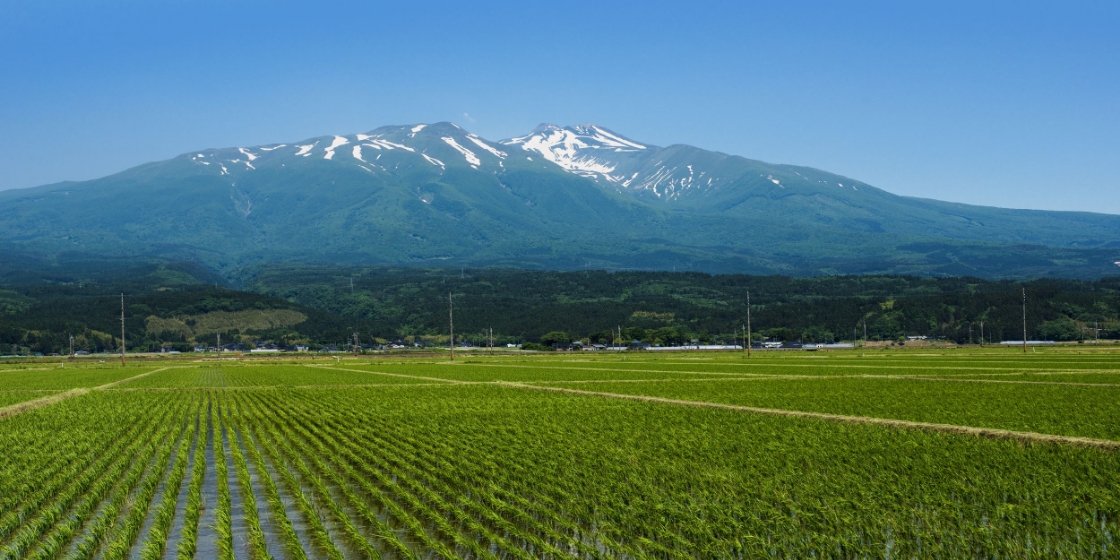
(289, 538)
(223, 524)
(258, 549)
(188, 539)
(319, 531)
(156, 541)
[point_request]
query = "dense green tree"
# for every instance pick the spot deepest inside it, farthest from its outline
(555, 337)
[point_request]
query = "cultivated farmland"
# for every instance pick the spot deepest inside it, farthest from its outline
(884, 454)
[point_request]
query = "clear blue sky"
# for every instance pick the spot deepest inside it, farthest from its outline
(1013, 104)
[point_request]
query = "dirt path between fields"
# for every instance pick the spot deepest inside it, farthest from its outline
(886, 422)
(19, 408)
(791, 375)
(1006, 381)
(391, 374)
(1014, 369)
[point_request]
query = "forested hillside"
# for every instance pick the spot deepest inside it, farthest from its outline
(179, 305)
(674, 307)
(176, 305)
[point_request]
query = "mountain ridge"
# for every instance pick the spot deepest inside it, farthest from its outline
(556, 197)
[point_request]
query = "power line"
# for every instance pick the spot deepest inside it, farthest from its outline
(122, 329)
(748, 341)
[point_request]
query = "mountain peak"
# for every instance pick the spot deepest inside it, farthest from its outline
(587, 149)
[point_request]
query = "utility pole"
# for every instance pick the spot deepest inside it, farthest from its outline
(748, 341)
(451, 322)
(865, 330)
(356, 345)
(71, 347)
(219, 345)
(1024, 320)
(122, 329)
(491, 340)
(981, 333)
(1096, 332)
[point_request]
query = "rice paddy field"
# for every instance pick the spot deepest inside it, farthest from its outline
(899, 454)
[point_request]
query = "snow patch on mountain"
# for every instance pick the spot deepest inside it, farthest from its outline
(487, 147)
(338, 141)
(584, 150)
(467, 154)
(306, 150)
(608, 138)
(387, 145)
(433, 160)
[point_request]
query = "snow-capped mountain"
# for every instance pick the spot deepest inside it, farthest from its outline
(556, 197)
(382, 150)
(676, 174)
(668, 174)
(588, 150)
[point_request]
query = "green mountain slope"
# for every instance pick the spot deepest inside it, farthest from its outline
(557, 198)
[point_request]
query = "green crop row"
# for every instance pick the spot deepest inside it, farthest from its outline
(357, 464)
(519, 472)
(256, 376)
(65, 378)
(1052, 409)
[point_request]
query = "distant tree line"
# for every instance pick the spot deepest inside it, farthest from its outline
(660, 308)
(674, 308)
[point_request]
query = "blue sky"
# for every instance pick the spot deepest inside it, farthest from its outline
(1013, 104)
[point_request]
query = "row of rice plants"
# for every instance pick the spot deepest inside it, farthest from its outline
(313, 476)
(299, 439)
(53, 465)
(456, 518)
(223, 523)
(128, 526)
(58, 509)
(1053, 409)
(289, 537)
(155, 543)
(188, 537)
(258, 548)
(295, 491)
(645, 479)
(484, 516)
(78, 515)
(100, 525)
